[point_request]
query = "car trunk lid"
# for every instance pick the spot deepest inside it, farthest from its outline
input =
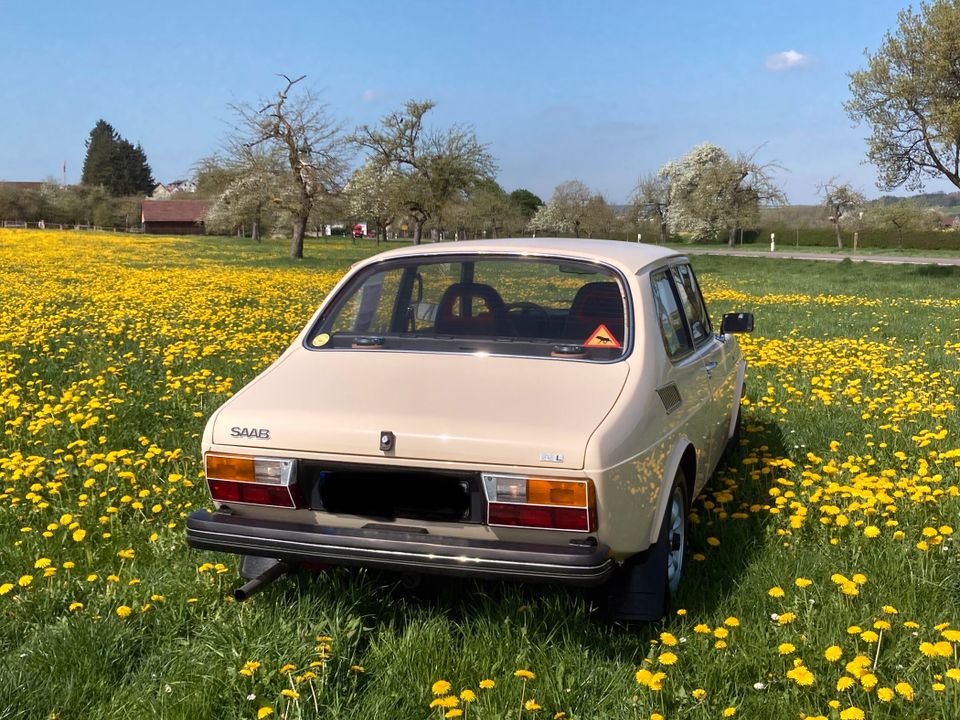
(468, 408)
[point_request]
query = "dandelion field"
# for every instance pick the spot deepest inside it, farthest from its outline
(823, 581)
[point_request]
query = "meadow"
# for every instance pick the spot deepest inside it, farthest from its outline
(823, 580)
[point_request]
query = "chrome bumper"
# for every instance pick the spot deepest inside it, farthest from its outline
(399, 550)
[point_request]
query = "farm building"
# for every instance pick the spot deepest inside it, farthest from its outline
(173, 217)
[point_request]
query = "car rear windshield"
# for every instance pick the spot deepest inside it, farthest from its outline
(503, 305)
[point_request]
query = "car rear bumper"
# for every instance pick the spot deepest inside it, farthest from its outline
(399, 550)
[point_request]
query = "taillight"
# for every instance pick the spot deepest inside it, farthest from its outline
(520, 501)
(253, 480)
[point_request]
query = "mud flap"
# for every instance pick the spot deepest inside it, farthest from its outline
(637, 592)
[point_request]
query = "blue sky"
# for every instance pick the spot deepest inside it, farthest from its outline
(602, 91)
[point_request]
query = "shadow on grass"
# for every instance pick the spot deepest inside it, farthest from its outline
(549, 610)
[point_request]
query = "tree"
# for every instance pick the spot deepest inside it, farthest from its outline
(574, 208)
(374, 194)
(909, 94)
(435, 167)
(710, 192)
(526, 202)
(116, 164)
(840, 200)
(905, 215)
(98, 163)
(312, 143)
(651, 201)
(253, 181)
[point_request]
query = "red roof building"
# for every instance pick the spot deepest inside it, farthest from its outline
(173, 217)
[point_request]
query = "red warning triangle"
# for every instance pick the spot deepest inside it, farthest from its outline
(602, 337)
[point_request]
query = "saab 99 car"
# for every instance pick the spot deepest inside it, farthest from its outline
(532, 409)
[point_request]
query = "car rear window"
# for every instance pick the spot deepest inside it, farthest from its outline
(506, 305)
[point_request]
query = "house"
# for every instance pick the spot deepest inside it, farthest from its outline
(162, 191)
(173, 217)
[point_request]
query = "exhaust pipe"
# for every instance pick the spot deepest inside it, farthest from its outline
(244, 592)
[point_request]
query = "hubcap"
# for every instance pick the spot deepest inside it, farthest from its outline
(676, 540)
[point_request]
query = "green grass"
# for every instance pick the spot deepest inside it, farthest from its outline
(151, 335)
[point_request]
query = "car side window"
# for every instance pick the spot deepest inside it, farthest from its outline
(673, 329)
(692, 302)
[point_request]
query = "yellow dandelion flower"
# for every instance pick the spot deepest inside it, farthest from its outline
(5, 588)
(656, 681)
(124, 611)
(721, 633)
(786, 648)
(357, 669)
(953, 674)
(885, 694)
(698, 693)
(264, 711)
(776, 592)
(468, 696)
(79, 534)
(845, 683)
(786, 618)
(869, 636)
(74, 606)
(803, 582)
(667, 658)
(701, 629)
(732, 622)
(487, 684)
(453, 712)
(292, 694)
(668, 639)
(25, 580)
(833, 653)
(852, 713)
(525, 674)
(440, 687)
(801, 675)
(41, 563)
(531, 705)
(904, 690)
(729, 712)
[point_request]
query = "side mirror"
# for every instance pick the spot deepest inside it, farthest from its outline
(736, 323)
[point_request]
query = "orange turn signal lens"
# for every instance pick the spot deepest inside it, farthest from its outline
(556, 492)
(231, 467)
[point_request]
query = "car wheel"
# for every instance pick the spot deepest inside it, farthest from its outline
(642, 588)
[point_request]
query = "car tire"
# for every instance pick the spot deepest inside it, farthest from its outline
(641, 590)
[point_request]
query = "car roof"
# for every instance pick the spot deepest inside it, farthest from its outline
(627, 256)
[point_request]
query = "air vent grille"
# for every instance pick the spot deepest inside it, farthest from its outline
(670, 397)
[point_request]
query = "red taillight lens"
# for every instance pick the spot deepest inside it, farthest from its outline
(558, 518)
(276, 495)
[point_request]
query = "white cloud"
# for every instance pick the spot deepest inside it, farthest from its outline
(369, 95)
(786, 60)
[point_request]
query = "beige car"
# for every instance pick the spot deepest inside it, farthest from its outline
(540, 410)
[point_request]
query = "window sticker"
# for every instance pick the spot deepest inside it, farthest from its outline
(602, 337)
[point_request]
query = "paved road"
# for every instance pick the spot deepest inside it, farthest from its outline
(790, 255)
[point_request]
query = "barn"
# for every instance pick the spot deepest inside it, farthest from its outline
(173, 217)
